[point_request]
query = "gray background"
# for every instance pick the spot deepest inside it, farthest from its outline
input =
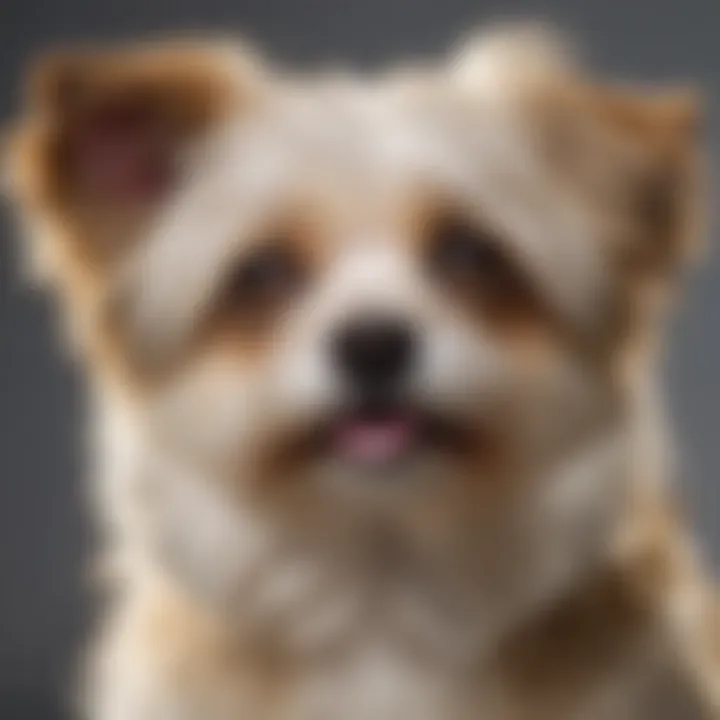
(43, 530)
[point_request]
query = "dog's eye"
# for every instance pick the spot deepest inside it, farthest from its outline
(271, 272)
(472, 263)
(461, 253)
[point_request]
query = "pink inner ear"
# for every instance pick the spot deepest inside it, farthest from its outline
(118, 157)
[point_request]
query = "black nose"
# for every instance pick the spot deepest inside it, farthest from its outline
(374, 353)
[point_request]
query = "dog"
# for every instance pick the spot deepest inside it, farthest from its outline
(373, 366)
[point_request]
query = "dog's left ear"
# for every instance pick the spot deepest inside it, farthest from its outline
(649, 149)
(102, 141)
(632, 154)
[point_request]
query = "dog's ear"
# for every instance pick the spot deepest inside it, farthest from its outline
(626, 161)
(632, 159)
(639, 149)
(101, 142)
(631, 152)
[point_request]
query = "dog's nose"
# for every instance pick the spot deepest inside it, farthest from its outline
(374, 353)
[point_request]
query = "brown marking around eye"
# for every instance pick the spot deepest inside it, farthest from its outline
(472, 263)
(505, 299)
(265, 279)
(264, 284)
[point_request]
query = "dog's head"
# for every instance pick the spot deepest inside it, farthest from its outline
(422, 283)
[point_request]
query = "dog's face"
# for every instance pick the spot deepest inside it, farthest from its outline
(375, 289)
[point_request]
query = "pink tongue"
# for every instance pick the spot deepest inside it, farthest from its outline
(375, 440)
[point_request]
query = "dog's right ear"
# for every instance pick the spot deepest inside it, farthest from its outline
(101, 142)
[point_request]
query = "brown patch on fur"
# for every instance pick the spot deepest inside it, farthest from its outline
(618, 618)
(576, 642)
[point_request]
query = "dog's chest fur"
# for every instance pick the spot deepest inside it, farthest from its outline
(578, 655)
(377, 679)
(375, 644)
(445, 664)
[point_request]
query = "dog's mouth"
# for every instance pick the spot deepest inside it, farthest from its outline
(381, 439)
(375, 436)
(383, 435)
